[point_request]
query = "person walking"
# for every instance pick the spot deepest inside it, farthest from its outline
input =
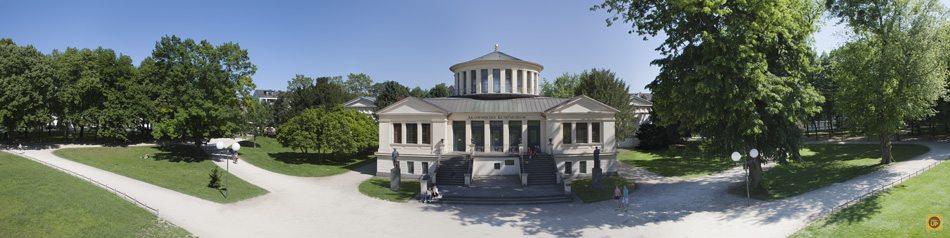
(625, 202)
(617, 197)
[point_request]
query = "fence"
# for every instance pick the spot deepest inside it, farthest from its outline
(97, 183)
(871, 192)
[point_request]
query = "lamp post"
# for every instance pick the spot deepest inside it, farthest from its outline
(735, 157)
(227, 177)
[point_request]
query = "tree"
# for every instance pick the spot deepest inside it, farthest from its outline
(359, 85)
(390, 92)
(439, 91)
(604, 86)
(329, 130)
(304, 93)
(563, 86)
(419, 92)
(731, 71)
(201, 86)
(26, 77)
(892, 70)
(260, 116)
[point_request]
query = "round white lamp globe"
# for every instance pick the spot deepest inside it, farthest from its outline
(736, 156)
(219, 145)
(754, 153)
(235, 146)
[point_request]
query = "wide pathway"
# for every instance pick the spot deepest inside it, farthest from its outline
(333, 207)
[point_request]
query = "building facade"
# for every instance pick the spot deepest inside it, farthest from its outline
(366, 105)
(495, 123)
(267, 95)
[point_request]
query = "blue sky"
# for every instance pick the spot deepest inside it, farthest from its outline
(412, 42)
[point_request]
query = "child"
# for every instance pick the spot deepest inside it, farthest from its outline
(625, 202)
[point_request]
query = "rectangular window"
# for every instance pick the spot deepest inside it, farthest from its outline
(426, 133)
(425, 168)
(478, 135)
(397, 133)
(411, 134)
(508, 80)
(568, 167)
(462, 85)
(519, 81)
(581, 132)
(409, 165)
(514, 134)
(567, 135)
(495, 132)
(484, 81)
(595, 132)
(496, 80)
(497, 166)
(473, 80)
(583, 167)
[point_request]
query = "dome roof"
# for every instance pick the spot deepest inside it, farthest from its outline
(496, 56)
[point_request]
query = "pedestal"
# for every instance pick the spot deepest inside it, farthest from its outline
(597, 181)
(394, 178)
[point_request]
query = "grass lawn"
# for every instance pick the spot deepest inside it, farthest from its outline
(270, 155)
(172, 167)
(827, 164)
(379, 188)
(583, 189)
(686, 162)
(898, 212)
(38, 201)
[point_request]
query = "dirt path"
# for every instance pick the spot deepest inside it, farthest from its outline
(333, 207)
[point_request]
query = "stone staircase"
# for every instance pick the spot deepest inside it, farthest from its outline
(506, 200)
(452, 171)
(541, 170)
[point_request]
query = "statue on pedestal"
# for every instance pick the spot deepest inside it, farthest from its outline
(395, 176)
(597, 178)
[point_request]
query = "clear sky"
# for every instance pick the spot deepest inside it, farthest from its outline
(412, 42)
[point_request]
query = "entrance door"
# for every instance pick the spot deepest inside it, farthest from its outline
(534, 133)
(458, 135)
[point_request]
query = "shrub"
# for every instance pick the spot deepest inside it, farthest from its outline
(215, 178)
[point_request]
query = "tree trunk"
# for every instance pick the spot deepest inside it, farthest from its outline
(82, 131)
(886, 157)
(197, 146)
(755, 173)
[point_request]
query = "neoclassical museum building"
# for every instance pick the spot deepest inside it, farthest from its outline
(496, 124)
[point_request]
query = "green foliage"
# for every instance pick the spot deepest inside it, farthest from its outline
(96, 87)
(563, 86)
(304, 93)
(653, 137)
(439, 91)
(731, 70)
(26, 78)
(200, 85)
(173, 167)
(419, 92)
(379, 188)
(585, 191)
(893, 70)
(604, 86)
(325, 130)
(390, 92)
(39, 201)
(215, 177)
(359, 85)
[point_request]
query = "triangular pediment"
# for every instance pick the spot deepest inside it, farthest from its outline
(582, 104)
(411, 105)
(360, 102)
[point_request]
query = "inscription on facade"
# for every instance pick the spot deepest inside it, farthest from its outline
(496, 117)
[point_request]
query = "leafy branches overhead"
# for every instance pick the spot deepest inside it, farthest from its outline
(25, 79)
(731, 70)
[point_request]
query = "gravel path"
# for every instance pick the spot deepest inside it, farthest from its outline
(333, 206)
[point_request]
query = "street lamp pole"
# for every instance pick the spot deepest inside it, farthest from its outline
(735, 157)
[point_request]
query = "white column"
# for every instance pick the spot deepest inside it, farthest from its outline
(590, 133)
(501, 79)
(468, 134)
(457, 83)
(490, 81)
(419, 133)
(404, 132)
(504, 135)
(573, 132)
(528, 75)
(536, 80)
(524, 85)
(486, 130)
(524, 134)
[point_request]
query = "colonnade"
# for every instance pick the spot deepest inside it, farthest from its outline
(479, 81)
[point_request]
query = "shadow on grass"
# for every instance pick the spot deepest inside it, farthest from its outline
(678, 161)
(178, 153)
(858, 212)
